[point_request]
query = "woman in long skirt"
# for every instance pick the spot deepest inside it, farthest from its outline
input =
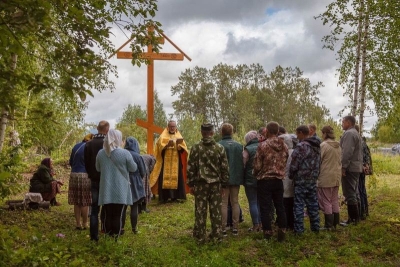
(79, 193)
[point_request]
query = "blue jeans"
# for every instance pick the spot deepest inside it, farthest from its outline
(94, 215)
(251, 194)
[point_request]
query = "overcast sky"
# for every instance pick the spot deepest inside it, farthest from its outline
(268, 32)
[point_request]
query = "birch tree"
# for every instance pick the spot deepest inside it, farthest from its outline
(378, 22)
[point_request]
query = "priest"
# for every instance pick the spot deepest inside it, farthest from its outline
(168, 179)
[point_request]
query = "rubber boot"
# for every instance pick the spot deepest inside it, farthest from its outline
(346, 223)
(355, 213)
(336, 219)
(328, 222)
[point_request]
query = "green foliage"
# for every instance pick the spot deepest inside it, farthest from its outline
(160, 117)
(382, 20)
(70, 40)
(247, 97)
(189, 127)
(386, 134)
(54, 53)
(385, 164)
(10, 163)
(387, 130)
(127, 123)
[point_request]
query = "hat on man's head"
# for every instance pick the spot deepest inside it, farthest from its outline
(207, 127)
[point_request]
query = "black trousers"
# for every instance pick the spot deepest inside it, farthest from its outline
(113, 218)
(270, 195)
(288, 203)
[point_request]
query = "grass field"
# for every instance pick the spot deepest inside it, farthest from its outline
(29, 238)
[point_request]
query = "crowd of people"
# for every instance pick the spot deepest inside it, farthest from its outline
(285, 176)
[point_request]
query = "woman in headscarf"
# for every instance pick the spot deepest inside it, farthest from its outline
(43, 182)
(79, 193)
(114, 165)
(136, 180)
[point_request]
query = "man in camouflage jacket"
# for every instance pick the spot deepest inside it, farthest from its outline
(304, 170)
(207, 174)
(269, 168)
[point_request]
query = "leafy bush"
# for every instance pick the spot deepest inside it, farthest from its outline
(10, 176)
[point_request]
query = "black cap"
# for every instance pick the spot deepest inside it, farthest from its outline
(207, 127)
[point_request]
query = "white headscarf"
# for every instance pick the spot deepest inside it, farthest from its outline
(112, 141)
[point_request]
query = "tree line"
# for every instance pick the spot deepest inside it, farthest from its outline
(244, 95)
(247, 96)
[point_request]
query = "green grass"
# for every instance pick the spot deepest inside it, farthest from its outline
(386, 164)
(29, 238)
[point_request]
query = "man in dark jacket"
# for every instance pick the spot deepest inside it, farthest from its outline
(91, 149)
(234, 152)
(304, 170)
(352, 165)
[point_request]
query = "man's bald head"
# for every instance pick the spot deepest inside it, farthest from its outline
(103, 127)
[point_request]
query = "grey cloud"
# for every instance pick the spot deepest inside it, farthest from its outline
(305, 54)
(244, 47)
(308, 56)
(181, 11)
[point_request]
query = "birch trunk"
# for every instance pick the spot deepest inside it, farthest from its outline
(357, 67)
(4, 111)
(364, 69)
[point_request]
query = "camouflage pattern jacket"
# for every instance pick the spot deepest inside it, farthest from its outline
(306, 160)
(270, 159)
(207, 163)
(367, 160)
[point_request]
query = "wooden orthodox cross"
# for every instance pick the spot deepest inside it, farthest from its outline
(151, 56)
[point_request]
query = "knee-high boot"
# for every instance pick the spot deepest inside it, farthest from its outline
(336, 219)
(354, 214)
(329, 220)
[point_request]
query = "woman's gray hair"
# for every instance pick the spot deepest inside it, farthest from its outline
(250, 135)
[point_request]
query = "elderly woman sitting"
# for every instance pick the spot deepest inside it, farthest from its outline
(43, 182)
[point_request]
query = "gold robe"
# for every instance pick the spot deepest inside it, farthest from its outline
(170, 162)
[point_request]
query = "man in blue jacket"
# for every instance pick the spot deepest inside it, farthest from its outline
(304, 171)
